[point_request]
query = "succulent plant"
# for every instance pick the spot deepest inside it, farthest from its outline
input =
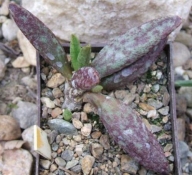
(124, 59)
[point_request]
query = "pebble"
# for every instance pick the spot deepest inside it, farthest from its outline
(96, 150)
(155, 103)
(76, 123)
(4, 8)
(45, 163)
(47, 102)
(77, 138)
(155, 88)
(26, 114)
(155, 128)
(183, 149)
(167, 126)
(79, 149)
(2, 69)
(71, 164)
(67, 155)
(53, 167)
(56, 80)
(120, 94)
(54, 146)
(181, 128)
(96, 134)
(146, 107)
(9, 30)
(104, 141)
(76, 169)
(180, 54)
(9, 128)
(88, 108)
(20, 62)
(147, 124)
(86, 129)
(84, 117)
(129, 98)
(52, 136)
(30, 82)
(55, 112)
(165, 119)
(57, 93)
(164, 110)
(168, 147)
(152, 114)
(87, 163)
(60, 162)
(62, 126)
(184, 38)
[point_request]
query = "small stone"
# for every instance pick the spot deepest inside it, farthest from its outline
(184, 38)
(84, 117)
(47, 102)
(146, 107)
(128, 165)
(57, 93)
(147, 88)
(53, 167)
(9, 128)
(155, 128)
(76, 123)
(60, 162)
(167, 126)
(4, 10)
(79, 149)
(87, 163)
(183, 149)
(159, 75)
(88, 108)
(54, 146)
(168, 147)
(120, 94)
(52, 136)
(171, 158)
(165, 119)
(76, 115)
(166, 98)
(66, 141)
(96, 150)
(86, 129)
(167, 154)
(56, 80)
(155, 88)
(152, 114)
(164, 110)
(104, 140)
(77, 138)
(20, 62)
(62, 126)
(96, 134)
(142, 171)
(71, 164)
(30, 82)
(180, 128)
(45, 163)
(147, 124)
(67, 155)
(155, 103)
(9, 30)
(76, 169)
(55, 112)
(129, 98)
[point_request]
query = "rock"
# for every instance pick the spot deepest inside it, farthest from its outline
(53, 167)
(181, 104)
(4, 8)
(164, 110)
(16, 161)
(84, 117)
(67, 155)
(30, 82)
(146, 107)
(104, 140)
(60, 162)
(155, 128)
(2, 69)
(71, 164)
(96, 134)
(186, 92)
(77, 124)
(120, 94)
(94, 22)
(128, 165)
(86, 129)
(47, 102)
(155, 103)
(20, 62)
(88, 108)
(29, 52)
(96, 150)
(55, 112)
(9, 30)
(57, 93)
(62, 126)
(3, 108)
(180, 54)
(183, 149)
(41, 144)
(87, 163)
(168, 147)
(9, 128)
(56, 80)
(184, 38)
(76, 169)
(155, 88)
(128, 99)
(52, 136)
(77, 138)
(152, 114)
(180, 128)
(147, 124)
(45, 163)
(79, 149)
(26, 114)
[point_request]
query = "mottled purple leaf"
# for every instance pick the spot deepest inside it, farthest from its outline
(41, 38)
(127, 129)
(133, 45)
(133, 71)
(85, 78)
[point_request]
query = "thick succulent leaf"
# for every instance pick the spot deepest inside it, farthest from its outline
(75, 48)
(133, 45)
(133, 71)
(85, 78)
(127, 129)
(41, 38)
(84, 56)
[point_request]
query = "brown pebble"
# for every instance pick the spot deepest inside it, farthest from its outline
(96, 134)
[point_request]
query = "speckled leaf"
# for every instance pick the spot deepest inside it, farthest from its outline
(41, 38)
(133, 71)
(133, 45)
(85, 78)
(75, 48)
(127, 129)
(84, 56)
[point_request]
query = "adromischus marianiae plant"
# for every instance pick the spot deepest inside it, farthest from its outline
(125, 58)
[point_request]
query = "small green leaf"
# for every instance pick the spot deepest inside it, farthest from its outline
(183, 83)
(67, 115)
(97, 88)
(84, 56)
(74, 51)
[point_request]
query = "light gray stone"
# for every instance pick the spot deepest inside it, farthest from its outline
(71, 164)
(60, 162)
(45, 163)
(67, 155)
(25, 114)
(183, 149)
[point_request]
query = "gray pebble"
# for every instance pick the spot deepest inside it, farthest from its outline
(52, 136)
(67, 155)
(59, 161)
(183, 149)
(155, 103)
(190, 167)
(54, 146)
(45, 163)
(164, 110)
(167, 127)
(71, 164)
(76, 169)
